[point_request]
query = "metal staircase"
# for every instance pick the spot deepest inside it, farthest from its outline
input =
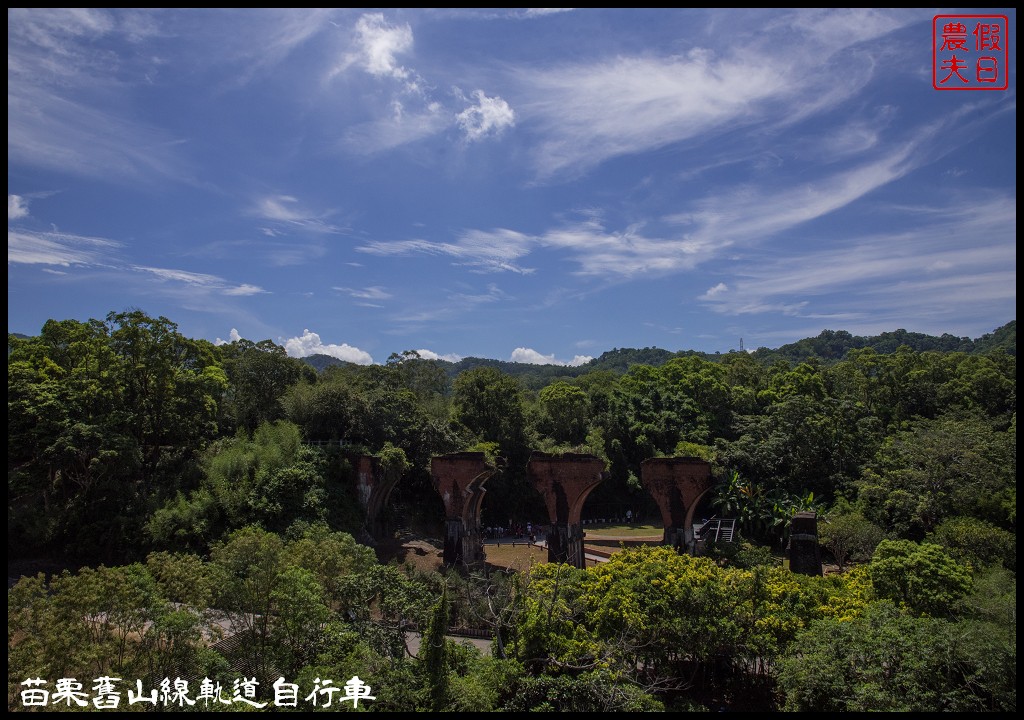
(715, 530)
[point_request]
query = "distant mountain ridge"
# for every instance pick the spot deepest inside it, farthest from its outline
(829, 346)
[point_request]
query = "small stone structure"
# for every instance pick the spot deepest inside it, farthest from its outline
(677, 485)
(565, 481)
(459, 478)
(804, 550)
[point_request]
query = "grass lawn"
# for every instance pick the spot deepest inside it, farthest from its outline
(519, 557)
(425, 555)
(624, 530)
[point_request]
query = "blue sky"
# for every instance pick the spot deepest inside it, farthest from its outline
(536, 185)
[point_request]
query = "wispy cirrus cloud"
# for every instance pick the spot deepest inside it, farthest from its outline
(482, 251)
(200, 281)
(543, 12)
(72, 73)
(585, 113)
(740, 217)
(402, 127)
(287, 210)
(371, 297)
(63, 107)
(924, 273)
(60, 133)
(596, 250)
(27, 247)
(452, 304)
(376, 292)
(753, 212)
(55, 248)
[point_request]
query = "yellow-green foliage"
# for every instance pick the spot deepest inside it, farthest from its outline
(653, 606)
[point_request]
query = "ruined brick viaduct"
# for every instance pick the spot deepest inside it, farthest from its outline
(677, 484)
(564, 481)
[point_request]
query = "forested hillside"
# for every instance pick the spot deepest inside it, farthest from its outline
(186, 476)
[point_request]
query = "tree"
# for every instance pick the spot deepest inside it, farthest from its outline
(301, 617)
(566, 413)
(269, 478)
(924, 578)
(849, 534)
(247, 567)
(260, 374)
(107, 419)
(937, 469)
(977, 542)
(489, 404)
(112, 621)
(883, 661)
(436, 654)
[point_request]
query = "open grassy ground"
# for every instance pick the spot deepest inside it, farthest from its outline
(519, 557)
(426, 554)
(624, 531)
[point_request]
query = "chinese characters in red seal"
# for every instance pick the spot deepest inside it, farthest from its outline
(970, 52)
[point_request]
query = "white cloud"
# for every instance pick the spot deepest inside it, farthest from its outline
(532, 357)
(541, 12)
(750, 214)
(431, 355)
(17, 207)
(56, 248)
(401, 128)
(922, 273)
(244, 289)
(490, 116)
(371, 293)
(287, 210)
(485, 251)
(377, 47)
(716, 290)
(233, 337)
(379, 42)
(587, 113)
(309, 343)
(201, 281)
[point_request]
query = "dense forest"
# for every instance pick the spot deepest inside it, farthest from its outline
(188, 487)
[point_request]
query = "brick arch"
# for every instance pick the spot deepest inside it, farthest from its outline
(460, 478)
(565, 481)
(677, 485)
